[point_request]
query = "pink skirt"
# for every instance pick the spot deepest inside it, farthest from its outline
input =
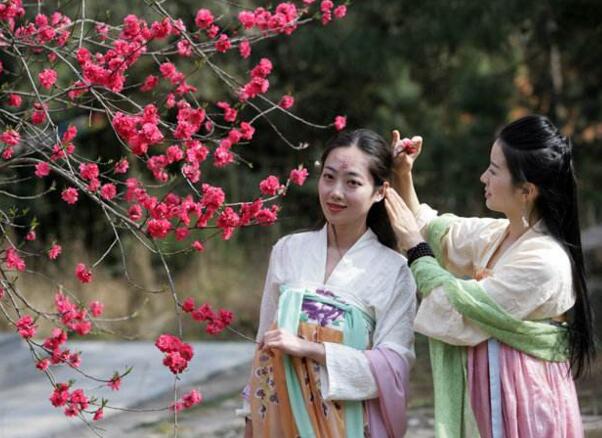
(521, 396)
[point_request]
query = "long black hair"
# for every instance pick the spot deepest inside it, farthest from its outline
(538, 153)
(381, 169)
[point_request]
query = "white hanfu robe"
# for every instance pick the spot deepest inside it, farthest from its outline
(372, 278)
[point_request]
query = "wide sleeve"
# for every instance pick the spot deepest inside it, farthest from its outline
(348, 374)
(461, 240)
(536, 272)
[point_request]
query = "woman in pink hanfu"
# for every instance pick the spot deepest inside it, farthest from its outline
(505, 302)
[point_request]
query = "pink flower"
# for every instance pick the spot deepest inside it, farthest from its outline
(182, 233)
(89, 171)
(108, 191)
(298, 176)
(247, 130)
(188, 305)
(213, 197)
(158, 228)
(42, 170)
(247, 19)
(14, 100)
(115, 382)
(177, 353)
(31, 235)
(214, 328)
(83, 274)
(340, 122)
(75, 360)
(71, 411)
(149, 83)
(78, 400)
(287, 101)
(230, 113)
(98, 415)
(212, 31)
(170, 102)
(70, 195)
(326, 6)
(58, 338)
(43, 364)
(39, 114)
(223, 44)
(340, 11)
(222, 157)
(192, 398)
(54, 251)
(82, 328)
(122, 166)
(175, 362)
(47, 78)
(198, 246)
(166, 343)
(96, 308)
(10, 137)
(204, 18)
(203, 313)
(270, 186)
(26, 327)
(60, 396)
(69, 134)
(135, 212)
(263, 69)
(228, 220)
(13, 261)
(266, 216)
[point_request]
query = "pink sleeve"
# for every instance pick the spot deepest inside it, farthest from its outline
(387, 413)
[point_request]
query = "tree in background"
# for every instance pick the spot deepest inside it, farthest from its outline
(455, 72)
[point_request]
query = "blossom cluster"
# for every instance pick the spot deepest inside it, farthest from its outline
(75, 402)
(216, 322)
(187, 401)
(177, 352)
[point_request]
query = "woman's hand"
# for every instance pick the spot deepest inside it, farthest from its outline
(405, 152)
(402, 220)
(293, 345)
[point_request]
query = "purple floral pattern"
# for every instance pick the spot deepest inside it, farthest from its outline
(325, 315)
(265, 391)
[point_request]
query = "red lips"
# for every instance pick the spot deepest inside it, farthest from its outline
(335, 208)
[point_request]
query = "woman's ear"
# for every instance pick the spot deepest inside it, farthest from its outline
(381, 191)
(530, 192)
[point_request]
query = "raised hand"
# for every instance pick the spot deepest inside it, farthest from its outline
(405, 152)
(402, 221)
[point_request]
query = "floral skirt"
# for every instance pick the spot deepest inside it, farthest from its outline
(271, 413)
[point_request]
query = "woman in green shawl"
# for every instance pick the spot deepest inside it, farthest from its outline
(504, 301)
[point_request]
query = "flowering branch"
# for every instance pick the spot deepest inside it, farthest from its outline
(155, 188)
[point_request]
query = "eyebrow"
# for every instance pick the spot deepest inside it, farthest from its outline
(351, 173)
(495, 165)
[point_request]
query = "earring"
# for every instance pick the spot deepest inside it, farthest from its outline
(524, 217)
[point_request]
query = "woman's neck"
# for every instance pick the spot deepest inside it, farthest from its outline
(517, 225)
(344, 236)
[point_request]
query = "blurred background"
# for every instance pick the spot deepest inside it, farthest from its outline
(453, 72)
